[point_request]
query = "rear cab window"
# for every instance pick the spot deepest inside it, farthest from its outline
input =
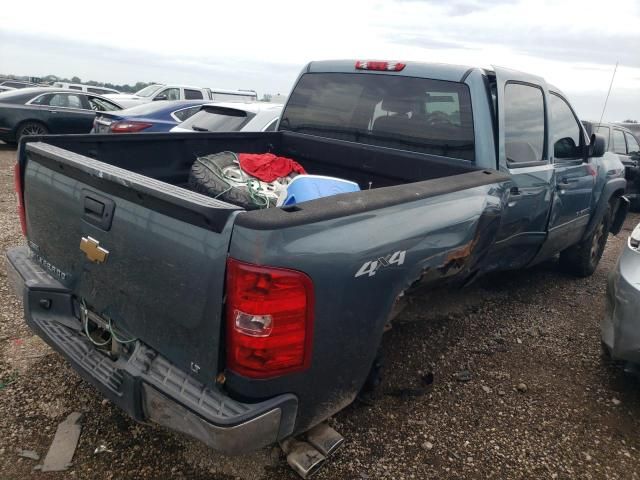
(415, 114)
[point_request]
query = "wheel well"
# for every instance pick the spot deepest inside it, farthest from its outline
(29, 120)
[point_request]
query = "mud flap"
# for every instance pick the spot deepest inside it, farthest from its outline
(619, 215)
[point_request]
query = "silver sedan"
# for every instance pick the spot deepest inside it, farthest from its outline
(620, 327)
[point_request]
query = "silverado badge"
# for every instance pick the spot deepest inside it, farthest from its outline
(92, 249)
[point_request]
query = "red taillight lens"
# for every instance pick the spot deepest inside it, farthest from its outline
(269, 320)
(129, 127)
(17, 184)
(383, 66)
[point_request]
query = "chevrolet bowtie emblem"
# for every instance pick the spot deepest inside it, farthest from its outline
(92, 249)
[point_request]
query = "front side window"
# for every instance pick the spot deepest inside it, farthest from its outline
(416, 114)
(524, 125)
(567, 133)
(619, 145)
(169, 94)
(148, 91)
(605, 132)
(192, 94)
(632, 143)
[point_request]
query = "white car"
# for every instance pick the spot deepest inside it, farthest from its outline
(233, 117)
(86, 88)
(158, 92)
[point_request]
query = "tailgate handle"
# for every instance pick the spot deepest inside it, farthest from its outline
(97, 209)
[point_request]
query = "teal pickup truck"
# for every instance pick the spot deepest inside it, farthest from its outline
(244, 328)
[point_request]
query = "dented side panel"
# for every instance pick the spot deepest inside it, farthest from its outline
(359, 266)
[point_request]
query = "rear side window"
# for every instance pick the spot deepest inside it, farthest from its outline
(524, 124)
(416, 114)
(192, 94)
(632, 143)
(185, 113)
(619, 145)
(217, 119)
(65, 100)
(567, 133)
(73, 87)
(271, 127)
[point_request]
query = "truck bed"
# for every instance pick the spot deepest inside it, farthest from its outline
(163, 284)
(169, 157)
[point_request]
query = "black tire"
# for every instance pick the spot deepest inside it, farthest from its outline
(582, 259)
(31, 128)
(203, 179)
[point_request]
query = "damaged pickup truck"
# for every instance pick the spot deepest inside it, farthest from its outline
(246, 327)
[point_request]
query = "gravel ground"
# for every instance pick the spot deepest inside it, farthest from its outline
(538, 400)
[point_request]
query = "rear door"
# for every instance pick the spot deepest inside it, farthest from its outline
(523, 153)
(147, 255)
(68, 113)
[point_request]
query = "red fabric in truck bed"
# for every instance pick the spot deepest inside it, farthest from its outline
(267, 166)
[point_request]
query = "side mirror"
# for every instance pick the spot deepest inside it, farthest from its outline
(160, 97)
(597, 146)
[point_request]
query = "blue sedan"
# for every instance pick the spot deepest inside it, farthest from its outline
(149, 117)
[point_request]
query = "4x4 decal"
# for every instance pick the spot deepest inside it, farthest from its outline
(372, 266)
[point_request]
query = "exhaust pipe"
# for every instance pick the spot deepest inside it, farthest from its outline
(325, 439)
(302, 457)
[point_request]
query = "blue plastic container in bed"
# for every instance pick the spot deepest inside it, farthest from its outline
(310, 187)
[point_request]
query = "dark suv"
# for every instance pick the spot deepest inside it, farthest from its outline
(621, 140)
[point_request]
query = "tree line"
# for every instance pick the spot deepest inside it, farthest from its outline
(125, 88)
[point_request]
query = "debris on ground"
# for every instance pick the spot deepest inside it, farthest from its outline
(31, 454)
(64, 444)
(102, 449)
(463, 376)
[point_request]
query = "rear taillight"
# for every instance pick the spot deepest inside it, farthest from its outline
(381, 66)
(129, 127)
(17, 184)
(269, 320)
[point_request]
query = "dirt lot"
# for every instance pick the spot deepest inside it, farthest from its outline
(540, 401)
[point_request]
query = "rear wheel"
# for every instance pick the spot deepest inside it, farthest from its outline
(31, 128)
(582, 259)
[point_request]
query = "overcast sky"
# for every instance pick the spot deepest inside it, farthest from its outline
(263, 44)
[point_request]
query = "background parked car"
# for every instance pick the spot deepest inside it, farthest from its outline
(622, 142)
(620, 327)
(633, 127)
(38, 111)
(148, 117)
(233, 117)
(16, 83)
(160, 92)
(86, 88)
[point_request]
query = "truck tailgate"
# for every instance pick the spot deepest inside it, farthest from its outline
(163, 251)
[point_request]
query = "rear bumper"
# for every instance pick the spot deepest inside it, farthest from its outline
(145, 384)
